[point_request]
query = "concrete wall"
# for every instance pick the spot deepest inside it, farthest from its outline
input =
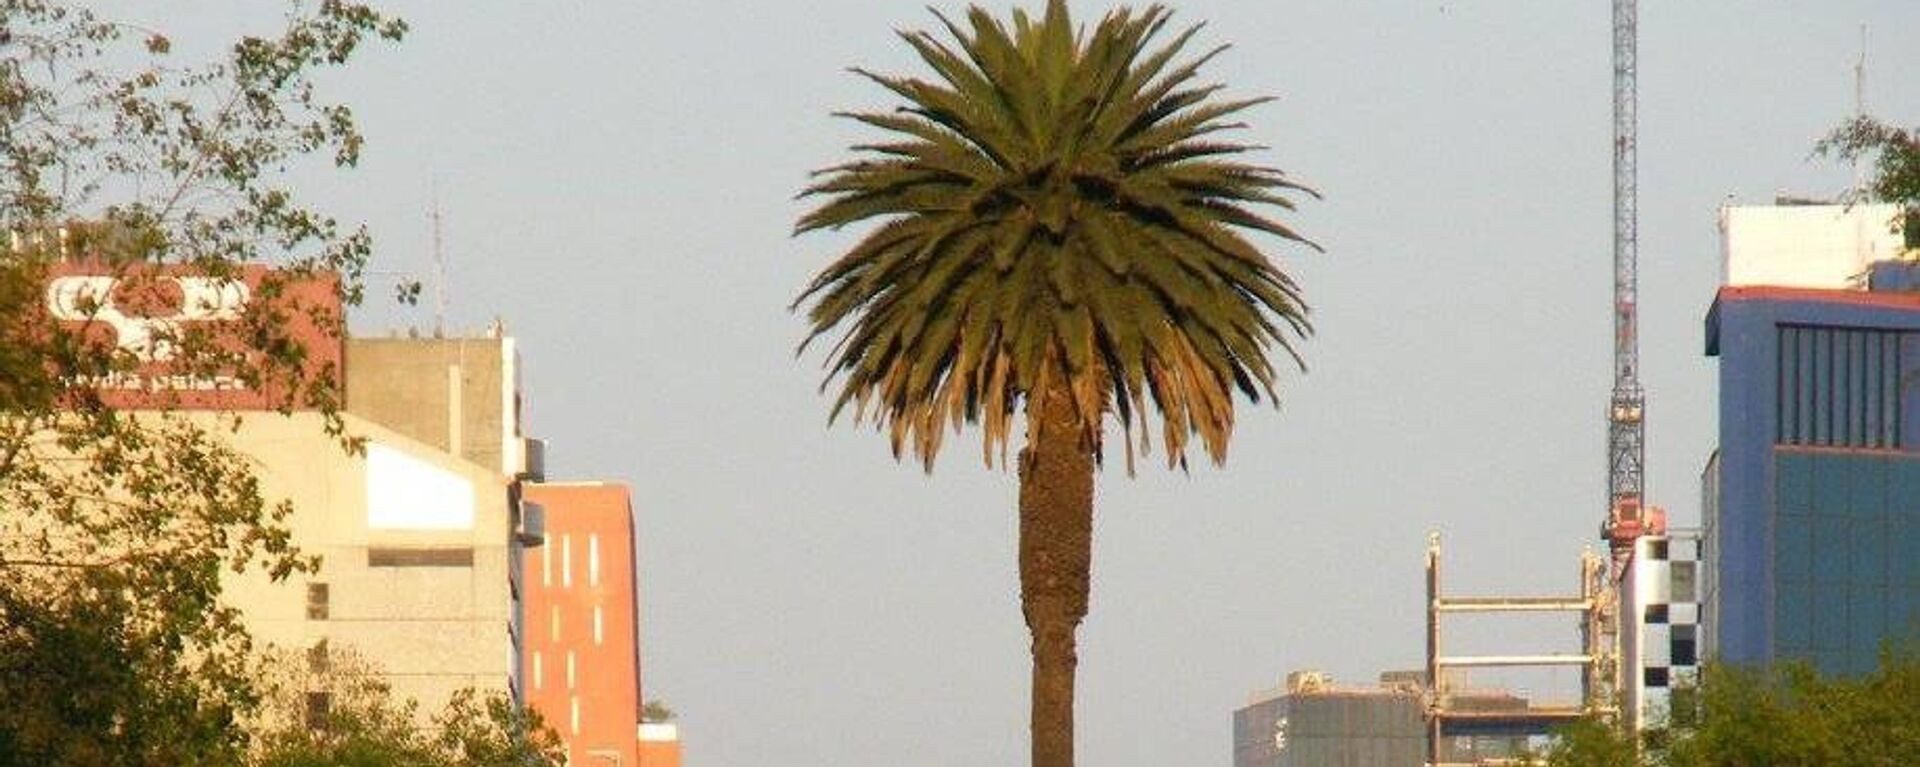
(432, 621)
(460, 395)
(1809, 246)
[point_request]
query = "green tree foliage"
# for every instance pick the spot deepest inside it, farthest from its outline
(1057, 229)
(336, 712)
(657, 711)
(1787, 717)
(1593, 743)
(1895, 155)
(115, 526)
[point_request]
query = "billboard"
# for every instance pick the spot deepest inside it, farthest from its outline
(148, 336)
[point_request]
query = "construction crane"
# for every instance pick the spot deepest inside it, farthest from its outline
(1626, 412)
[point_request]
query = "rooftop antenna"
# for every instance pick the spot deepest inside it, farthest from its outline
(439, 266)
(1860, 110)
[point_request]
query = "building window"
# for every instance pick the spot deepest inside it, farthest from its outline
(597, 628)
(1685, 648)
(1684, 577)
(575, 700)
(566, 561)
(546, 566)
(593, 559)
(1656, 676)
(1839, 387)
(317, 607)
(318, 659)
(539, 673)
(319, 705)
(570, 677)
(429, 556)
(1656, 613)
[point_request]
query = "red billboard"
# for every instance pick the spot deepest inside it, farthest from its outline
(174, 337)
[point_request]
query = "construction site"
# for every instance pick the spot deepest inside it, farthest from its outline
(1633, 605)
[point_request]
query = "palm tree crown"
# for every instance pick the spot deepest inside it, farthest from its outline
(1055, 210)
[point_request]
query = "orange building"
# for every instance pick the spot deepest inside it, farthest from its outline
(582, 659)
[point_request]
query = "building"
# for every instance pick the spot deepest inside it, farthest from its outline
(1313, 722)
(582, 665)
(1811, 504)
(1660, 622)
(659, 744)
(419, 533)
(420, 528)
(1796, 243)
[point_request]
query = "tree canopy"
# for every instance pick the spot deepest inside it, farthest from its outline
(1055, 205)
(120, 157)
(1789, 716)
(1894, 153)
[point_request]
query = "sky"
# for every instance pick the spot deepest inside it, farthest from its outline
(617, 181)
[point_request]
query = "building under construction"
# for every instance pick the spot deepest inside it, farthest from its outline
(1312, 721)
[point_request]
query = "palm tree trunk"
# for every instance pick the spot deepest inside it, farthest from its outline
(1056, 553)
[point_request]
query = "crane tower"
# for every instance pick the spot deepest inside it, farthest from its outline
(1626, 446)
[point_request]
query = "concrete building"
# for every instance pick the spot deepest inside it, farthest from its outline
(419, 534)
(582, 665)
(1312, 722)
(420, 531)
(1660, 623)
(1811, 504)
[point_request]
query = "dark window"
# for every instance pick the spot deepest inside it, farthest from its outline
(449, 556)
(1656, 613)
(1656, 676)
(1684, 653)
(317, 608)
(319, 705)
(318, 659)
(1657, 550)
(1683, 586)
(1838, 387)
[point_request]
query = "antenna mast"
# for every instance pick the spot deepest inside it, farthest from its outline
(1626, 446)
(1860, 112)
(439, 269)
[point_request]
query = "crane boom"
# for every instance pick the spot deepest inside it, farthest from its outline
(1626, 446)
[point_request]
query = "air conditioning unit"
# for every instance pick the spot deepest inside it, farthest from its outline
(535, 469)
(533, 524)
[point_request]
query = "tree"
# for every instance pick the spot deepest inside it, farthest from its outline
(657, 711)
(1060, 234)
(335, 711)
(1789, 715)
(1593, 743)
(115, 526)
(1895, 154)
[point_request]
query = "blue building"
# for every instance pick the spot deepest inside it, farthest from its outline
(1811, 505)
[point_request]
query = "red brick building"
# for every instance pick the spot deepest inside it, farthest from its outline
(582, 659)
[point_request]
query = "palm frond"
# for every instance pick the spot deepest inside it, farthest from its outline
(1054, 207)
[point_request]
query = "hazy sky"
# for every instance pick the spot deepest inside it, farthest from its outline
(617, 182)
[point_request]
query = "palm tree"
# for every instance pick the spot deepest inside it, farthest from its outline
(1060, 233)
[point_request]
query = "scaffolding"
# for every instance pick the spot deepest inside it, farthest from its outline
(1595, 658)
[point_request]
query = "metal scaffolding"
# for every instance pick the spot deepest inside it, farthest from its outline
(1595, 658)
